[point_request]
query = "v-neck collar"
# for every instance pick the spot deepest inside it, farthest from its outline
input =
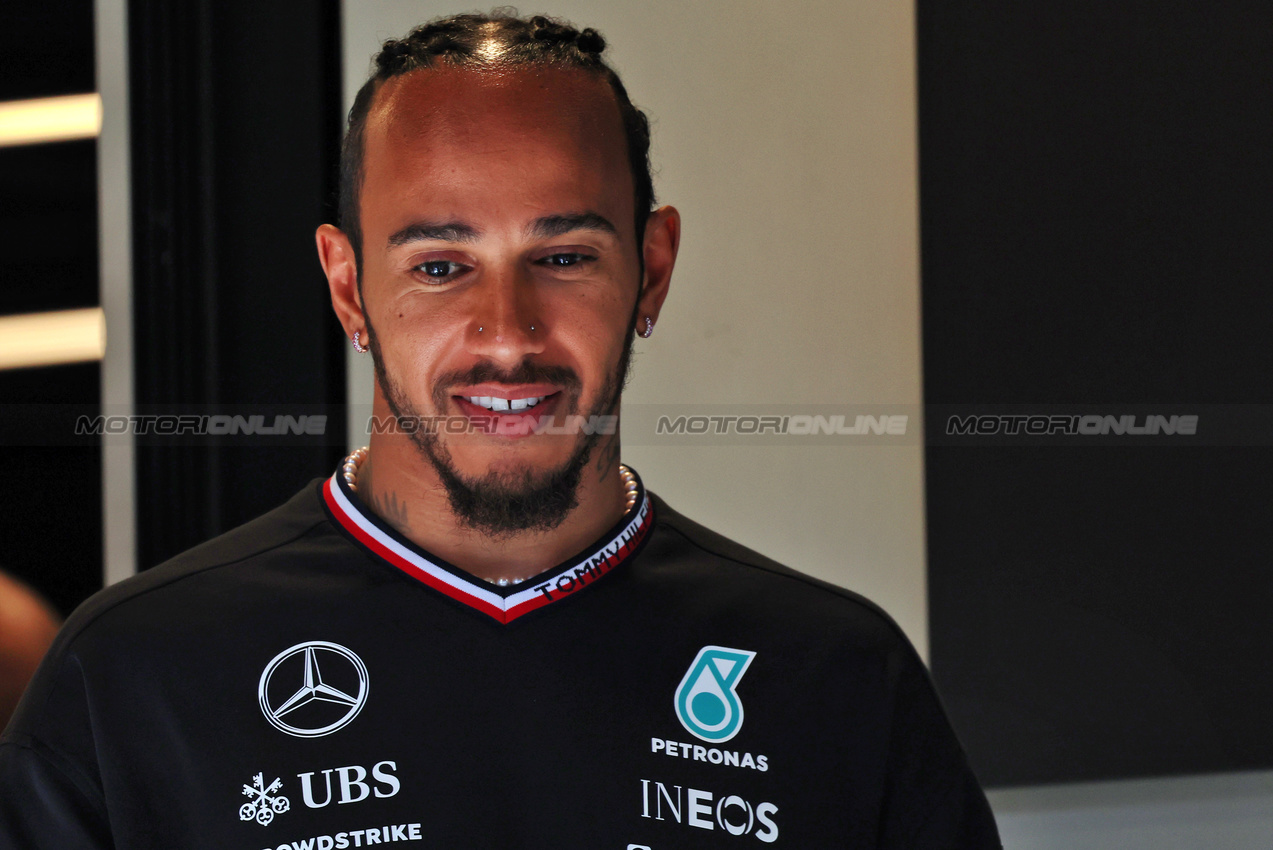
(504, 604)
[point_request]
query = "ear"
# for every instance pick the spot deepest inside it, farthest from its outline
(662, 239)
(337, 256)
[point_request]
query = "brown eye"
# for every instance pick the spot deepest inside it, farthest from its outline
(562, 261)
(438, 268)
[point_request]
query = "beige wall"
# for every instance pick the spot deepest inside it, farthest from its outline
(785, 134)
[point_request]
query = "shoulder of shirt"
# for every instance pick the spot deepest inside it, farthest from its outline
(290, 522)
(711, 543)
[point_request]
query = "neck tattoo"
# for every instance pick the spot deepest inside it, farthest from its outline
(355, 459)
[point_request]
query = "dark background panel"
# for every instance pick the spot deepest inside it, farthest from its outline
(48, 226)
(51, 514)
(46, 49)
(236, 119)
(1096, 228)
(1095, 190)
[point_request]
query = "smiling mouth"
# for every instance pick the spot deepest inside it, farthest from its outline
(504, 405)
(508, 417)
(511, 404)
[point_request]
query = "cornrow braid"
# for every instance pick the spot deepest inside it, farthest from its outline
(465, 40)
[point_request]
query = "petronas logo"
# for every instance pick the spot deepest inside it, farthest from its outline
(706, 703)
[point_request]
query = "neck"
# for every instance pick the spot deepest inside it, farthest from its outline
(401, 486)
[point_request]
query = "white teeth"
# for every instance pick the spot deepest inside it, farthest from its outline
(500, 405)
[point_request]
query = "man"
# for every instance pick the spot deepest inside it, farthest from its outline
(483, 631)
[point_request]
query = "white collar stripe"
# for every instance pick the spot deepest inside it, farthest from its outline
(561, 583)
(404, 559)
(404, 556)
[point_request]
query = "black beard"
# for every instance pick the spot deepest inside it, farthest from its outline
(503, 505)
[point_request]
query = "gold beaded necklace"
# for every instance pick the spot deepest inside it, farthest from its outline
(355, 459)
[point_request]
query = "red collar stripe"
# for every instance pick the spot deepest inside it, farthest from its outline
(540, 590)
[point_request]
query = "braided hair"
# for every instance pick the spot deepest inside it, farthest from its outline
(461, 40)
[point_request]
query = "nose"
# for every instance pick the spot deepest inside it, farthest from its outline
(506, 326)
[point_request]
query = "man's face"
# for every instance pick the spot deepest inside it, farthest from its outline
(500, 275)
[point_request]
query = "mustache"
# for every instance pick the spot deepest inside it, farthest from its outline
(526, 372)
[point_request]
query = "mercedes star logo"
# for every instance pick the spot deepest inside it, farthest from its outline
(332, 689)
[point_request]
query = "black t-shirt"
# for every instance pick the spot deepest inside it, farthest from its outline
(314, 681)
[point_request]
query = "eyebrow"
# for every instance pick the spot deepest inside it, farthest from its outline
(555, 225)
(449, 231)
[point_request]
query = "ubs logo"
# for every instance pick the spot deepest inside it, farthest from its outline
(351, 785)
(313, 689)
